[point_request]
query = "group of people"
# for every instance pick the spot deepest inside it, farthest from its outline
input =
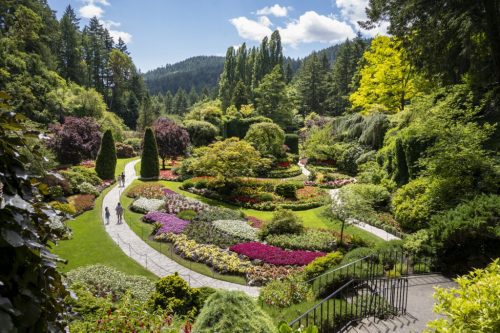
(119, 207)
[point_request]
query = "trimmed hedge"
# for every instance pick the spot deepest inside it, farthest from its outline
(292, 141)
(150, 165)
(239, 127)
(105, 164)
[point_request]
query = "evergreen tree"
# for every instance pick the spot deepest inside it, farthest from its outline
(150, 164)
(105, 163)
(275, 50)
(180, 102)
(227, 79)
(311, 86)
(169, 103)
(241, 64)
(240, 95)
(192, 96)
(288, 73)
(70, 53)
(122, 46)
(272, 100)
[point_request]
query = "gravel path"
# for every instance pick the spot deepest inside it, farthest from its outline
(145, 255)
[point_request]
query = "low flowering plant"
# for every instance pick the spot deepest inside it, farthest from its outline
(236, 228)
(88, 164)
(168, 222)
(168, 175)
(274, 255)
(145, 205)
(255, 222)
(261, 275)
(175, 203)
(150, 191)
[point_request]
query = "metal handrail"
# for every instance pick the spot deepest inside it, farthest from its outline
(338, 268)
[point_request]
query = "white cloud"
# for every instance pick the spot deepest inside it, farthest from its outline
(90, 10)
(250, 29)
(313, 27)
(276, 10)
(265, 21)
(355, 11)
(116, 34)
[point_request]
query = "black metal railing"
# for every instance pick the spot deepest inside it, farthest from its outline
(375, 285)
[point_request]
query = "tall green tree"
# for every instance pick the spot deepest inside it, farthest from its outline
(387, 78)
(311, 85)
(180, 102)
(271, 98)
(275, 50)
(70, 53)
(169, 102)
(150, 164)
(227, 78)
(105, 163)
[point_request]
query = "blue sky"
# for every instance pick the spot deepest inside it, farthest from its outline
(166, 31)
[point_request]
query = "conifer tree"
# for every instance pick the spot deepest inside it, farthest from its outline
(272, 100)
(226, 84)
(70, 53)
(312, 85)
(105, 164)
(169, 103)
(150, 164)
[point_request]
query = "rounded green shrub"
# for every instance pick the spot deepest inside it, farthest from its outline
(284, 221)
(286, 190)
(201, 133)
(292, 142)
(267, 138)
(412, 204)
(232, 312)
(187, 214)
(321, 264)
(173, 294)
(150, 164)
(105, 164)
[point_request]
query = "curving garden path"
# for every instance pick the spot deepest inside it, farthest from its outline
(334, 194)
(157, 263)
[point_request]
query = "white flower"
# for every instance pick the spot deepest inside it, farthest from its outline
(237, 228)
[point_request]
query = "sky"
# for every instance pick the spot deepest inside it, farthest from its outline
(158, 32)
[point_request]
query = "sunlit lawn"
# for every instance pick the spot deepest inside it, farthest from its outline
(91, 244)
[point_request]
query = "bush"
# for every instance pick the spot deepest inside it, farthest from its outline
(376, 195)
(285, 293)
(232, 312)
(322, 264)
(82, 202)
(286, 190)
(292, 171)
(474, 306)
(66, 208)
(468, 235)
(267, 138)
(173, 294)
(105, 163)
(144, 205)
(187, 214)
(238, 127)
(412, 204)
(311, 239)
(104, 281)
(262, 274)
(124, 151)
(292, 142)
(87, 188)
(201, 132)
(136, 143)
(219, 213)
(150, 165)
(284, 221)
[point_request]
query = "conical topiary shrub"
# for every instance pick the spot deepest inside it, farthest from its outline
(106, 157)
(150, 165)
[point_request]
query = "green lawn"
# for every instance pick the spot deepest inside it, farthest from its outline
(143, 230)
(313, 218)
(91, 244)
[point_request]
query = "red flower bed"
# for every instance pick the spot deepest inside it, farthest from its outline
(255, 222)
(274, 255)
(285, 164)
(168, 175)
(88, 164)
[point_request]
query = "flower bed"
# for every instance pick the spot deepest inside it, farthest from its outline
(168, 175)
(82, 202)
(331, 184)
(222, 261)
(87, 164)
(260, 275)
(274, 255)
(236, 228)
(145, 205)
(169, 222)
(150, 191)
(255, 222)
(175, 203)
(311, 239)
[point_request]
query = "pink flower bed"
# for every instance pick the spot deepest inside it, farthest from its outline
(168, 175)
(169, 222)
(275, 255)
(88, 164)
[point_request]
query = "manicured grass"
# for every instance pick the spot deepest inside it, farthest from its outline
(312, 218)
(91, 244)
(143, 230)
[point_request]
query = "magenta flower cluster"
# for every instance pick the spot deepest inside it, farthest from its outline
(274, 255)
(169, 222)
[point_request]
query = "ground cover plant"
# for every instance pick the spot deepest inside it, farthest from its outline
(236, 228)
(166, 223)
(275, 255)
(310, 239)
(145, 205)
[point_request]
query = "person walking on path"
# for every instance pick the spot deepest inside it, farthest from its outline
(119, 179)
(107, 214)
(123, 179)
(119, 213)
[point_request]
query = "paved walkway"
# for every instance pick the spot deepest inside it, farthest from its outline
(146, 256)
(419, 308)
(334, 194)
